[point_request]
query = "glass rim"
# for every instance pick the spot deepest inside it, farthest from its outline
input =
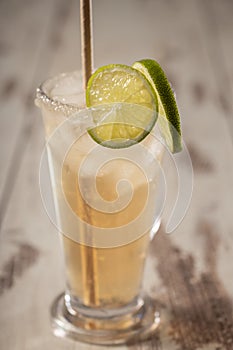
(42, 95)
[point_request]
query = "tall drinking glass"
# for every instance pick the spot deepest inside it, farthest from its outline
(108, 204)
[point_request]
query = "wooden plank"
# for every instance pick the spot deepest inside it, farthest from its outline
(224, 14)
(41, 26)
(19, 65)
(216, 33)
(188, 273)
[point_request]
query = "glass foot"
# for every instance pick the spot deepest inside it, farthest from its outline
(134, 322)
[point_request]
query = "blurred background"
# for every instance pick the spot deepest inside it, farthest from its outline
(192, 40)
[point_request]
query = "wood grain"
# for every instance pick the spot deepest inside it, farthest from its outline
(188, 274)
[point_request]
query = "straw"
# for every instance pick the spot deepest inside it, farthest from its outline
(87, 252)
(86, 39)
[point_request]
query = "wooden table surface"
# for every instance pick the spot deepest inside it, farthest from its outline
(189, 273)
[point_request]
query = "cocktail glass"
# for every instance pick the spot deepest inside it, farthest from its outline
(108, 205)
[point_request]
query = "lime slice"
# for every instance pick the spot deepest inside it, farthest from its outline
(169, 119)
(129, 106)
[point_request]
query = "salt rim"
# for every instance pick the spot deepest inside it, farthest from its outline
(66, 108)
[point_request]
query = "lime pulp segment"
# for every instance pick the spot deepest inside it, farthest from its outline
(121, 125)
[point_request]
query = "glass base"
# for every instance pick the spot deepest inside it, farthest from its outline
(129, 324)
